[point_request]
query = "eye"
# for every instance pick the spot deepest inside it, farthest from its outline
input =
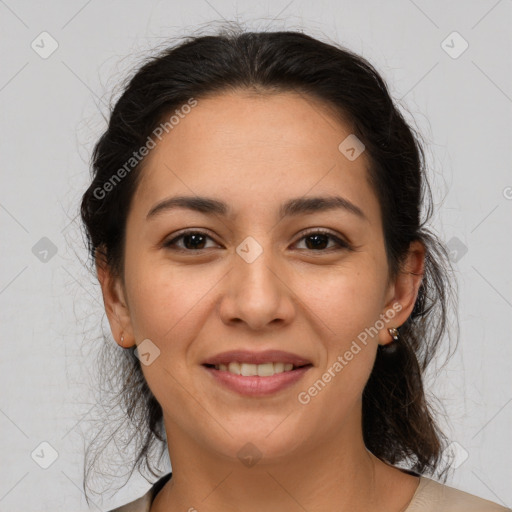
(192, 240)
(318, 238)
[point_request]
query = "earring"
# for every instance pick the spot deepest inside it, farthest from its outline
(393, 331)
(122, 338)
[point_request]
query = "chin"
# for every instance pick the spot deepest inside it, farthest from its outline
(261, 445)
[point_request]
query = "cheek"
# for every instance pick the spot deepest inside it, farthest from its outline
(348, 299)
(167, 306)
(349, 305)
(165, 301)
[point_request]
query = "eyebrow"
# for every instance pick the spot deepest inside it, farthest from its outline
(292, 207)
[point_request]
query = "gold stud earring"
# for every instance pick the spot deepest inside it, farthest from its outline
(393, 331)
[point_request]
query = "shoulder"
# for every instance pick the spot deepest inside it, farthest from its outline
(143, 504)
(433, 496)
(430, 496)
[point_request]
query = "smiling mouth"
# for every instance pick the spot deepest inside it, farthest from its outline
(252, 370)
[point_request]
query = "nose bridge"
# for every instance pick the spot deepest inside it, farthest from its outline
(254, 263)
(256, 293)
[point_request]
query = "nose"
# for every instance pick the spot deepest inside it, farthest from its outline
(257, 294)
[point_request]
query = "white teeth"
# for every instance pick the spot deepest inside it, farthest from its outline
(279, 367)
(250, 369)
(265, 370)
(234, 368)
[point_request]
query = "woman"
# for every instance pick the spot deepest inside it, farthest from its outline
(255, 219)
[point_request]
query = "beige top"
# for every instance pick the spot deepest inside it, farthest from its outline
(430, 496)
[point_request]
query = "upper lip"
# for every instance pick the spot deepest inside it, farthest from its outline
(267, 356)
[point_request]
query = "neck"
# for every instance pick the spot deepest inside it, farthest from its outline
(337, 473)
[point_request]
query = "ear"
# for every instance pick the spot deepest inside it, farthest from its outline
(114, 299)
(403, 290)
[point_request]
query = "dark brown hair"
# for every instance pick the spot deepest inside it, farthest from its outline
(398, 421)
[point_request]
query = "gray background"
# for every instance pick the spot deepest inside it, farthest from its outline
(51, 116)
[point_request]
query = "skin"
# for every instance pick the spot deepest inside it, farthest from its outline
(255, 152)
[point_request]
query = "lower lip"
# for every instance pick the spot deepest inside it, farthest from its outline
(255, 385)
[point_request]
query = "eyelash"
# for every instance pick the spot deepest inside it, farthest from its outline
(342, 244)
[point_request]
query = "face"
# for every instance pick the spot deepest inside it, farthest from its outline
(310, 282)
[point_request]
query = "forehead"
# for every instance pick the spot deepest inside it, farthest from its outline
(265, 122)
(258, 147)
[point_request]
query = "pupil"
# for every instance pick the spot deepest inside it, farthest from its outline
(193, 236)
(317, 244)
